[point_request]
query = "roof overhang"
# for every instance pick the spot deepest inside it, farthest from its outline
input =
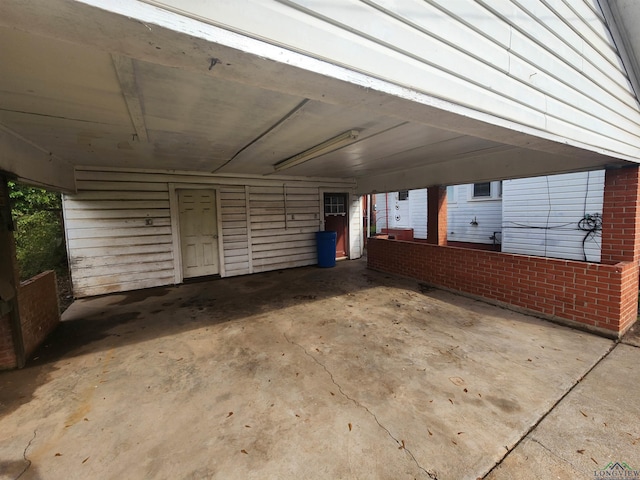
(123, 84)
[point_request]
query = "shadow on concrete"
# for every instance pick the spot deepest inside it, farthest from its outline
(101, 323)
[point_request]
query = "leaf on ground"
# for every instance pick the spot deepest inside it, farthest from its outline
(230, 413)
(454, 442)
(85, 460)
(332, 394)
(401, 447)
(248, 426)
(451, 401)
(349, 426)
(594, 460)
(430, 434)
(581, 451)
(460, 433)
(583, 414)
(58, 455)
(244, 451)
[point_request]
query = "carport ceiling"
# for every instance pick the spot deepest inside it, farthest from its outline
(168, 101)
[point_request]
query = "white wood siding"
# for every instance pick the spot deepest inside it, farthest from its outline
(463, 210)
(284, 220)
(541, 214)
(111, 248)
(549, 66)
(120, 234)
(418, 212)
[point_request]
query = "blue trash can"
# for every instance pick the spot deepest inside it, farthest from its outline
(326, 243)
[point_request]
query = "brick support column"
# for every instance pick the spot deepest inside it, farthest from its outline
(620, 216)
(11, 341)
(437, 215)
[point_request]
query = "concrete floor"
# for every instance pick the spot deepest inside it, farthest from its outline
(317, 374)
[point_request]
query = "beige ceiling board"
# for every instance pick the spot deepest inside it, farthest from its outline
(32, 164)
(125, 70)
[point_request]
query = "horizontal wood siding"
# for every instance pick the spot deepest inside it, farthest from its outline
(235, 230)
(541, 215)
(284, 220)
(111, 247)
(418, 212)
(266, 224)
(550, 65)
(463, 209)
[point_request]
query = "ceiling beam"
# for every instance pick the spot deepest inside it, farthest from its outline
(32, 164)
(125, 69)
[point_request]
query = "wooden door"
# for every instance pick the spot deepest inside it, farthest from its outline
(336, 219)
(198, 233)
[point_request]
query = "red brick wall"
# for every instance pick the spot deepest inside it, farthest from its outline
(39, 311)
(620, 225)
(7, 352)
(599, 297)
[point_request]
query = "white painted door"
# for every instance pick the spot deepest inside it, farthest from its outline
(198, 232)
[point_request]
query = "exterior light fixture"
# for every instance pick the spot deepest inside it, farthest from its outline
(325, 147)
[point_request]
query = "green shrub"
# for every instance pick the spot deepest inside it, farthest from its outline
(39, 232)
(39, 244)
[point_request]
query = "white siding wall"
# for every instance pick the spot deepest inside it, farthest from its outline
(549, 66)
(267, 224)
(111, 248)
(418, 212)
(463, 209)
(411, 213)
(284, 220)
(541, 214)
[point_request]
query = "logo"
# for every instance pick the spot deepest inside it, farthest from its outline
(617, 470)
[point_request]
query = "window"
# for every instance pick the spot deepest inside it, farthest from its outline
(482, 190)
(451, 194)
(486, 191)
(335, 204)
(403, 195)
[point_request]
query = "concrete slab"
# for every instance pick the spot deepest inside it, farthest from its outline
(306, 373)
(632, 337)
(595, 424)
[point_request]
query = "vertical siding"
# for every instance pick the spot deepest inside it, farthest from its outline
(463, 209)
(547, 65)
(111, 247)
(541, 214)
(284, 220)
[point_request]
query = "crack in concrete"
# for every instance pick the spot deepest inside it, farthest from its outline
(556, 455)
(24, 455)
(430, 474)
(552, 408)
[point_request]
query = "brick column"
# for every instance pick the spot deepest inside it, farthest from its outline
(437, 215)
(620, 222)
(11, 342)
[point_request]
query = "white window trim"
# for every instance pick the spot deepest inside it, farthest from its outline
(495, 193)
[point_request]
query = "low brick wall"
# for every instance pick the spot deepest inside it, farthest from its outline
(39, 312)
(596, 297)
(7, 352)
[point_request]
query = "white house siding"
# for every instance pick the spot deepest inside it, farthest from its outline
(122, 226)
(548, 66)
(473, 220)
(410, 213)
(541, 214)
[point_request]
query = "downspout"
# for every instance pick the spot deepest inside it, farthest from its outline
(368, 216)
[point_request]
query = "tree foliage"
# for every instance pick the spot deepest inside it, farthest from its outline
(39, 231)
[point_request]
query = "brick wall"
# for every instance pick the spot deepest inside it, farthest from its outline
(7, 351)
(595, 296)
(39, 311)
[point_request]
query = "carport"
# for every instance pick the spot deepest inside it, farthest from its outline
(133, 101)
